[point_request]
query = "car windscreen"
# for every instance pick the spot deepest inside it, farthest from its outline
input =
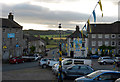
(94, 74)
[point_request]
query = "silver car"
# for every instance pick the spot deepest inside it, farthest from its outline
(105, 60)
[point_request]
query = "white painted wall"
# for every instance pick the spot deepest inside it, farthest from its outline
(78, 51)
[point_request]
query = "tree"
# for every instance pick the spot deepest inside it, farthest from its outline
(106, 48)
(32, 49)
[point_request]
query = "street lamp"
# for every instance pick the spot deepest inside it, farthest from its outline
(60, 58)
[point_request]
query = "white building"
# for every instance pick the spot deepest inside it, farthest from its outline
(77, 44)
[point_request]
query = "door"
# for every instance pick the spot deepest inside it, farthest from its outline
(71, 54)
(72, 71)
(106, 77)
(83, 70)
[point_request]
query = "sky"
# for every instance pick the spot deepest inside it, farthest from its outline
(47, 14)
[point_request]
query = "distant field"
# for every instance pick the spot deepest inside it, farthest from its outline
(51, 46)
(59, 38)
(53, 36)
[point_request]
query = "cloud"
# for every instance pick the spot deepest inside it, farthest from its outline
(55, 1)
(27, 13)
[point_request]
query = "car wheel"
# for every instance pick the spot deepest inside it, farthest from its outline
(104, 63)
(44, 66)
(23, 61)
(100, 63)
(16, 62)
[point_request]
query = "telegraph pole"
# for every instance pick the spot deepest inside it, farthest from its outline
(60, 79)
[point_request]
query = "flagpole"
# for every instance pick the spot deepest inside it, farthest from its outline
(92, 12)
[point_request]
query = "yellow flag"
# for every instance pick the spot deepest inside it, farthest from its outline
(89, 25)
(102, 14)
(82, 32)
(74, 46)
(88, 21)
(66, 44)
(100, 5)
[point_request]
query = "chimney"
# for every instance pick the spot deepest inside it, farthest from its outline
(10, 16)
(77, 28)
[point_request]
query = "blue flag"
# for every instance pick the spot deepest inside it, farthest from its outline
(94, 15)
(84, 26)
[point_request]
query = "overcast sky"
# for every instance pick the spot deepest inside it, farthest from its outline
(47, 14)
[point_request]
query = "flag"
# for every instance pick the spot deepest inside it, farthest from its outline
(94, 15)
(84, 26)
(100, 6)
(89, 25)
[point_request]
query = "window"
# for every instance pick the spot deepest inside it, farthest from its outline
(99, 43)
(118, 51)
(3, 30)
(83, 68)
(106, 35)
(83, 45)
(113, 36)
(93, 43)
(75, 67)
(119, 43)
(16, 30)
(119, 36)
(67, 62)
(113, 43)
(10, 29)
(82, 52)
(106, 76)
(99, 35)
(78, 62)
(106, 43)
(93, 35)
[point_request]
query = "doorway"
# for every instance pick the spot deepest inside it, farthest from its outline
(71, 54)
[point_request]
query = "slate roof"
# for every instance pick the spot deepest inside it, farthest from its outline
(32, 38)
(113, 28)
(76, 34)
(6, 23)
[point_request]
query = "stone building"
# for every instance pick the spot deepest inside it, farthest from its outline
(104, 34)
(29, 41)
(77, 44)
(12, 37)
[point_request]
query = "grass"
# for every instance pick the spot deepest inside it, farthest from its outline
(53, 36)
(51, 46)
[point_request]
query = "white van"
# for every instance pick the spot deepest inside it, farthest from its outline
(68, 62)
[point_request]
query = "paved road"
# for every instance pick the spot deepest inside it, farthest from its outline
(9, 67)
(31, 70)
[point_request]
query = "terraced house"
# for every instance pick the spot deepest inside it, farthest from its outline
(104, 34)
(77, 44)
(12, 37)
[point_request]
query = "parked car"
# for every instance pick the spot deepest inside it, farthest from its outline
(16, 60)
(118, 80)
(52, 62)
(100, 76)
(94, 56)
(69, 62)
(76, 71)
(43, 62)
(55, 68)
(117, 59)
(105, 60)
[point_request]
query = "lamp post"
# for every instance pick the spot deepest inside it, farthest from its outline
(60, 58)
